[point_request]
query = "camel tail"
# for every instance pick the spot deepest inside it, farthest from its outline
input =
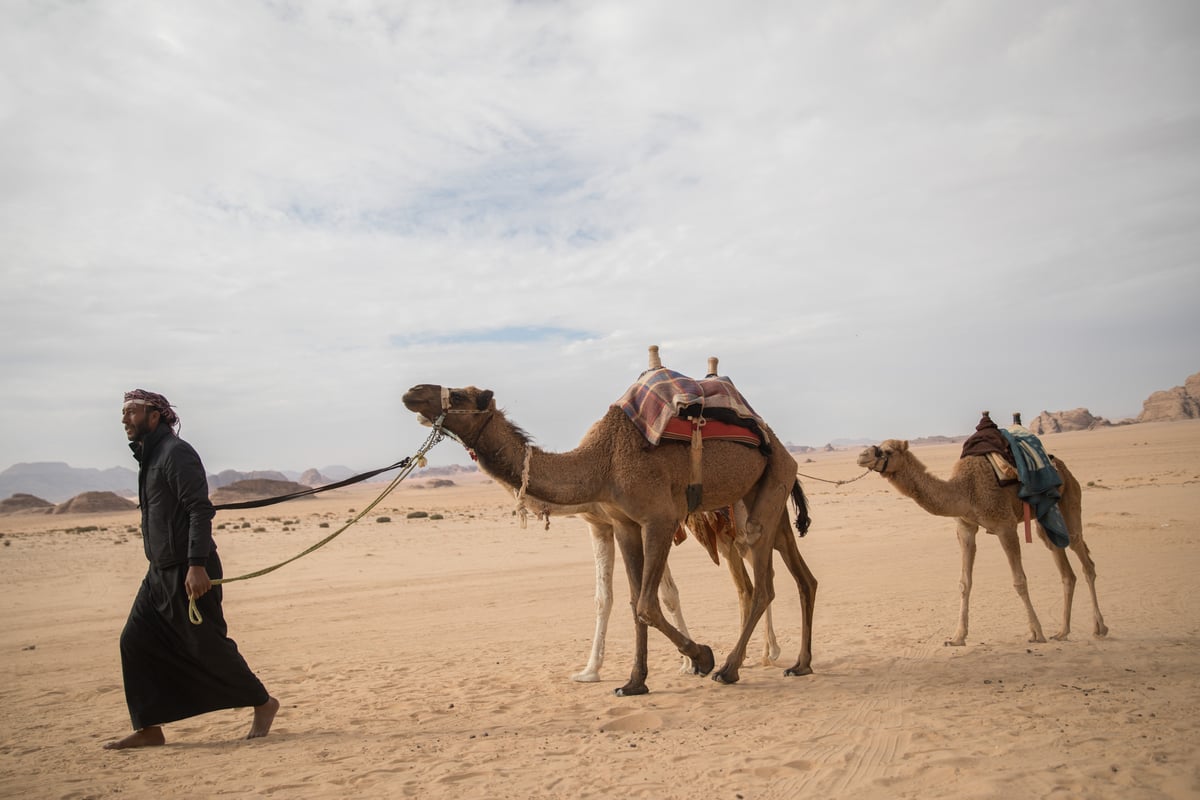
(802, 520)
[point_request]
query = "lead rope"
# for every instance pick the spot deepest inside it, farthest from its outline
(411, 463)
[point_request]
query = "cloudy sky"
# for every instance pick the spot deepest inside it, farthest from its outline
(883, 217)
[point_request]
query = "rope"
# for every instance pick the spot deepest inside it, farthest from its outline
(521, 511)
(835, 483)
(416, 460)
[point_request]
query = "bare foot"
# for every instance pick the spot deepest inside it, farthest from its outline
(264, 715)
(146, 737)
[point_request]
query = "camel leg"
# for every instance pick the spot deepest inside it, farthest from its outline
(1072, 510)
(604, 551)
(1080, 548)
(1068, 581)
(761, 597)
(668, 597)
(1012, 550)
(806, 583)
(657, 537)
(966, 544)
(1089, 574)
(631, 553)
(736, 561)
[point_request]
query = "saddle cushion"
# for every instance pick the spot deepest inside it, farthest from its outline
(661, 395)
(680, 429)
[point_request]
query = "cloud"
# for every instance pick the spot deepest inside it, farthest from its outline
(881, 218)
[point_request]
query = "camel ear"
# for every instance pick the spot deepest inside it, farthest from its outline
(484, 400)
(902, 447)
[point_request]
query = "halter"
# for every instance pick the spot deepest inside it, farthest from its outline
(878, 453)
(521, 511)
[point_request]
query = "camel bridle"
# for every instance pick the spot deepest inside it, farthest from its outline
(879, 454)
(478, 433)
(521, 511)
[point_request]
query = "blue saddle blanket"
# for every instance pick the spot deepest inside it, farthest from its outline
(1040, 482)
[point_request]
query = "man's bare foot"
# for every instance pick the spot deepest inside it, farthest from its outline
(146, 737)
(264, 715)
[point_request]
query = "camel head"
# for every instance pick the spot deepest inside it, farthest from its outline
(466, 410)
(877, 456)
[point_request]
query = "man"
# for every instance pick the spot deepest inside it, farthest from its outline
(172, 668)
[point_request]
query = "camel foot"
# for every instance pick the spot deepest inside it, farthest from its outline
(587, 676)
(726, 676)
(704, 663)
(1061, 637)
(1101, 631)
(798, 670)
(1037, 638)
(954, 642)
(631, 691)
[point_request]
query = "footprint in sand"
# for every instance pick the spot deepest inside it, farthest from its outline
(637, 721)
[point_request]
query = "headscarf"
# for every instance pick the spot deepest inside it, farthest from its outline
(156, 402)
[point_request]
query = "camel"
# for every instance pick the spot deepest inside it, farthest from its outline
(724, 544)
(975, 498)
(641, 490)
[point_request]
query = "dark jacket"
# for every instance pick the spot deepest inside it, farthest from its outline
(173, 496)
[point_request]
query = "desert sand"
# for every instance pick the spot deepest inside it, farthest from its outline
(432, 657)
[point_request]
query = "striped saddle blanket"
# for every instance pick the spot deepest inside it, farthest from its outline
(662, 403)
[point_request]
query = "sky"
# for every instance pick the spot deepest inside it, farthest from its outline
(883, 217)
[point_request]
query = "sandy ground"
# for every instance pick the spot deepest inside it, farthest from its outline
(432, 657)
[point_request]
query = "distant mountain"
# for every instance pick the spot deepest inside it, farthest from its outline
(56, 481)
(1182, 402)
(228, 476)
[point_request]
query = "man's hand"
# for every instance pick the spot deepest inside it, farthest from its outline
(197, 582)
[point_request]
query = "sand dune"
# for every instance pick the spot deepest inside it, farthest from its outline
(431, 657)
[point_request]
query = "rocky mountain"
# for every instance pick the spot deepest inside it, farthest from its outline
(56, 481)
(313, 477)
(1182, 402)
(20, 502)
(93, 502)
(228, 476)
(254, 489)
(1078, 419)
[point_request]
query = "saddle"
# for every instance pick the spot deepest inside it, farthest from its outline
(664, 404)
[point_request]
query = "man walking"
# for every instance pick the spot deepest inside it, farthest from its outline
(172, 668)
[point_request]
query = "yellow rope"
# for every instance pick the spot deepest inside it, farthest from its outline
(418, 460)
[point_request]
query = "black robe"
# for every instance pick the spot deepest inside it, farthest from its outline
(174, 669)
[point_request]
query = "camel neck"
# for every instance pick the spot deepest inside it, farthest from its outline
(559, 478)
(930, 492)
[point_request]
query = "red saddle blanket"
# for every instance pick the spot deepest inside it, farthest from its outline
(680, 429)
(659, 396)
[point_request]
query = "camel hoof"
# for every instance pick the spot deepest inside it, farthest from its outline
(954, 643)
(1036, 639)
(705, 662)
(727, 679)
(1059, 637)
(1101, 631)
(797, 670)
(631, 691)
(586, 677)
